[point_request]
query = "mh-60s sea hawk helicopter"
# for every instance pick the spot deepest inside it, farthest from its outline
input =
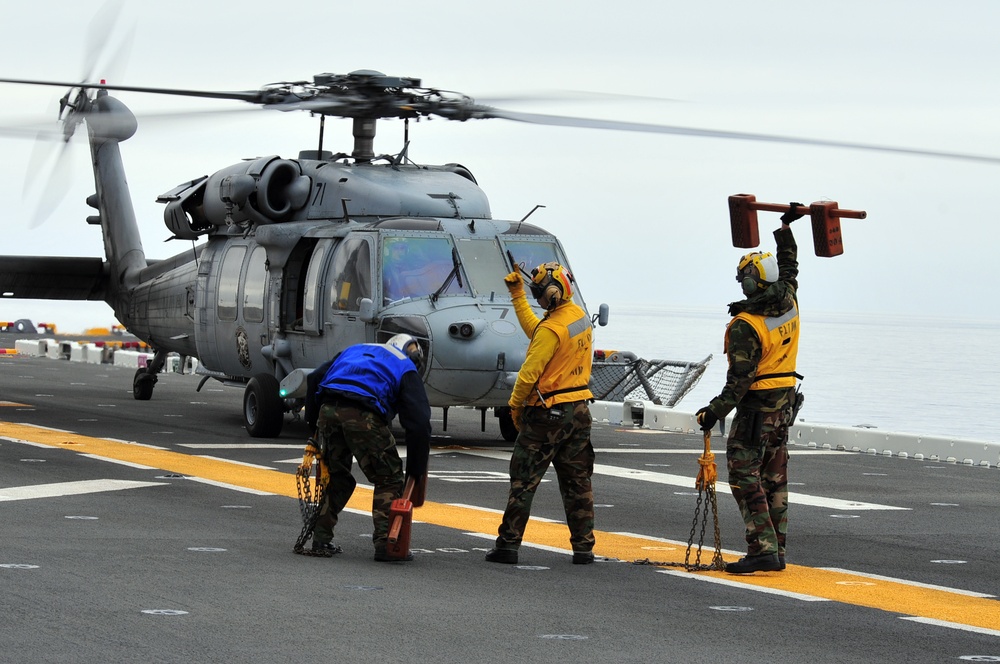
(303, 257)
(300, 258)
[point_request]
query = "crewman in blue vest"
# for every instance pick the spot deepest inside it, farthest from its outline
(358, 394)
(761, 344)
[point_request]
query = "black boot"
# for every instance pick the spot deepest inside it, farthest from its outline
(765, 562)
(506, 556)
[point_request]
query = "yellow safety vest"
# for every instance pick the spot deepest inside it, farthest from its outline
(566, 377)
(779, 338)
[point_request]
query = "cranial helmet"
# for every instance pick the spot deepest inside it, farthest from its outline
(409, 347)
(756, 271)
(552, 281)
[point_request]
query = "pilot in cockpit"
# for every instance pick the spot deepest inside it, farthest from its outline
(397, 268)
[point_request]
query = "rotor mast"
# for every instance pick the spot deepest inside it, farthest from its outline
(364, 139)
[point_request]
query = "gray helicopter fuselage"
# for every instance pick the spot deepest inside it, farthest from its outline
(293, 260)
(364, 252)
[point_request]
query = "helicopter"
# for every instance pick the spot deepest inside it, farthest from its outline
(301, 257)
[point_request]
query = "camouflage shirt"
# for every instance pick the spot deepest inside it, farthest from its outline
(744, 350)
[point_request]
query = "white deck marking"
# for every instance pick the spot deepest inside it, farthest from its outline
(951, 625)
(915, 584)
(24, 442)
(524, 544)
(744, 586)
(70, 489)
(119, 462)
(238, 463)
(233, 487)
(688, 482)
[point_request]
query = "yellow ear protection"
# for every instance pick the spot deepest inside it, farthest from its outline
(552, 281)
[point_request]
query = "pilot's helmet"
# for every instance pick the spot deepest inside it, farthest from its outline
(409, 347)
(553, 281)
(756, 271)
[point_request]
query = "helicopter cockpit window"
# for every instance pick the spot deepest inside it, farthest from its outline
(419, 267)
(350, 274)
(484, 263)
(530, 255)
(229, 282)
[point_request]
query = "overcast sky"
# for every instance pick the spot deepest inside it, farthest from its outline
(643, 217)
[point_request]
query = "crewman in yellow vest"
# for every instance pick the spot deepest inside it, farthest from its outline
(549, 406)
(761, 344)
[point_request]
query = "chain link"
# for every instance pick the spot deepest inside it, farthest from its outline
(701, 511)
(309, 504)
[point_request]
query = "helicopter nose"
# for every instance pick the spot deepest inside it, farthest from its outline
(469, 329)
(475, 360)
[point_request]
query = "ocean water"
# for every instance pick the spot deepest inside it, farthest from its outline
(929, 376)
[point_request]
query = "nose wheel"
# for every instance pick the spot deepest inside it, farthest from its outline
(507, 428)
(263, 407)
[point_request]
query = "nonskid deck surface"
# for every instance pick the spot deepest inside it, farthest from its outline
(121, 516)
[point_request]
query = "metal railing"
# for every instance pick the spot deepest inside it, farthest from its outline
(621, 376)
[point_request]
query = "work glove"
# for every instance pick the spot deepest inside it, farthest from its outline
(311, 453)
(792, 214)
(514, 285)
(516, 413)
(706, 418)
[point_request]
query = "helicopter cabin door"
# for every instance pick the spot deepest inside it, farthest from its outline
(325, 281)
(348, 282)
(241, 297)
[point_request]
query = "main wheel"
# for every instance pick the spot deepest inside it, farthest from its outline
(507, 428)
(142, 385)
(263, 407)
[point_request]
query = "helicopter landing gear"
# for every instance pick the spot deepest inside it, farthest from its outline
(145, 378)
(507, 428)
(263, 407)
(142, 385)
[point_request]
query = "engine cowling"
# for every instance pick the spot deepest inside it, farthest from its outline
(262, 191)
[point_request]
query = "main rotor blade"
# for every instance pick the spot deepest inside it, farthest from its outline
(589, 123)
(247, 95)
(571, 96)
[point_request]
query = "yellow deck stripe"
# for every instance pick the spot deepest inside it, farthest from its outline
(895, 597)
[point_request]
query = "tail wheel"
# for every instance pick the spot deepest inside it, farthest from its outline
(142, 385)
(263, 407)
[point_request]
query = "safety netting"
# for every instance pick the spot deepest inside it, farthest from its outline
(621, 376)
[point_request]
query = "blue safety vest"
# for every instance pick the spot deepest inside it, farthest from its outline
(373, 372)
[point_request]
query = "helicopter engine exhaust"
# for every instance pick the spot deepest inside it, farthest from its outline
(263, 191)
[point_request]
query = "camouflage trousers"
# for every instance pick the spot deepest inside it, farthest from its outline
(561, 437)
(757, 458)
(347, 432)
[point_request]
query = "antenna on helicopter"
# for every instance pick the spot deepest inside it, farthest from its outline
(322, 127)
(526, 216)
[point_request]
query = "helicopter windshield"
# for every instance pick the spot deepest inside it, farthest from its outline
(483, 263)
(417, 267)
(530, 255)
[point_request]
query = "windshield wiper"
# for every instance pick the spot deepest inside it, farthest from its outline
(456, 273)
